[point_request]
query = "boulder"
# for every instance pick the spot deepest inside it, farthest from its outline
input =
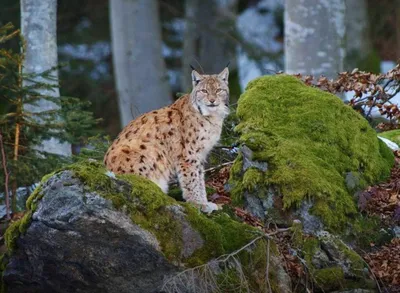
(304, 155)
(87, 230)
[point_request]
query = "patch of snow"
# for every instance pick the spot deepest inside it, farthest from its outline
(392, 145)
(386, 65)
(258, 29)
(97, 53)
(110, 174)
(94, 52)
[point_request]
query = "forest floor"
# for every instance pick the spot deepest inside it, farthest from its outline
(382, 201)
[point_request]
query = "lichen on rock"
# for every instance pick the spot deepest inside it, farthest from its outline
(311, 142)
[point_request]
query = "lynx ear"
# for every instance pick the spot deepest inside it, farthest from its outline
(224, 74)
(196, 77)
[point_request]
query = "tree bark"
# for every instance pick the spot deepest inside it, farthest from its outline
(208, 43)
(358, 41)
(397, 11)
(314, 37)
(190, 42)
(39, 29)
(139, 69)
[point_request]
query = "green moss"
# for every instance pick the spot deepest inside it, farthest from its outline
(252, 177)
(310, 141)
(235, 180)
(357, 264)
(11, 235)
(309, 246)
(148, 206)
(19, 227)
(329, 278)
(393, 135)
(221, 234)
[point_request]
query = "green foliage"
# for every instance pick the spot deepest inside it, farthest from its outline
(25, 128)
(95, 149)
(310, 141)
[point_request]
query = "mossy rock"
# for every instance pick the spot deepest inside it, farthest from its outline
(184, 237)
(316, 149)
(332, 264)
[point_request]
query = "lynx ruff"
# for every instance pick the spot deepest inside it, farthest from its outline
(174, 141)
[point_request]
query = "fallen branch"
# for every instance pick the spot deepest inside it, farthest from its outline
(218, 167)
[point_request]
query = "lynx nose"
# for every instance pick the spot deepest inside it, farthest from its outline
(212, 101)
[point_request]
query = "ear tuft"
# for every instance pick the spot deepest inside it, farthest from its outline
(196, 77)
(224, 75)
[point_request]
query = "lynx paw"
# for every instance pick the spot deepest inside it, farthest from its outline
(209, 207)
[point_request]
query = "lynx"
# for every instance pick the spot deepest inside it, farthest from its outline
(174, 141)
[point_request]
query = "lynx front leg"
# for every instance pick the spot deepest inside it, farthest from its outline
(191, 180)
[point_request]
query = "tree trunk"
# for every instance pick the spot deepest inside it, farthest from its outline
(314, 37)
(139, 69)
(358, 41)
(39, 29)
(397, 11)
(208, 43)
(190, 43)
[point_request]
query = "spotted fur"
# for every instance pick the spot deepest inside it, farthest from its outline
(174, 141)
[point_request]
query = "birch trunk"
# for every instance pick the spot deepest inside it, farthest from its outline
(39, 29)
(314, 37)
(139, 68)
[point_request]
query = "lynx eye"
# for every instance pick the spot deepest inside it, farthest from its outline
(219, 91)
(204, 91)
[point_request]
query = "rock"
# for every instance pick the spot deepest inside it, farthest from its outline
(304, 157)
(305, 154)
(333, 264)
(87, 231)
(78, 242)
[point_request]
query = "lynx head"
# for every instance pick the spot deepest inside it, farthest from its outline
(210, 94)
